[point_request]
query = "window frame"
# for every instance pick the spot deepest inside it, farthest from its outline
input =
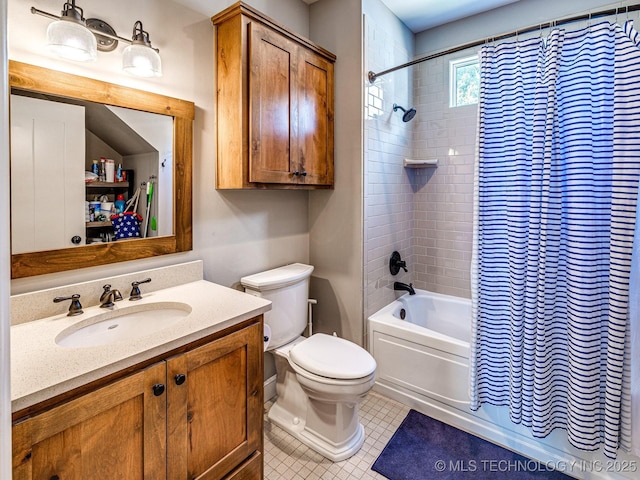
(454, 66)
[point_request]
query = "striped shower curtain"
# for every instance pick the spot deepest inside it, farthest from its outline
(557, 172)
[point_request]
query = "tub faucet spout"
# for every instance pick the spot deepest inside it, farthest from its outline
(405, 287)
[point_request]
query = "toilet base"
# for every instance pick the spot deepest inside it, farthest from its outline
(298, 428)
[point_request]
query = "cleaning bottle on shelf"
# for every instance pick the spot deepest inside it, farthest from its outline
(103, 172)
(95, 168)
(119, 203)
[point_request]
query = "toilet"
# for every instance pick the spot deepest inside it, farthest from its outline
(320, 379)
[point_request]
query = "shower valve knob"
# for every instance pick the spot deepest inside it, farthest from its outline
(396, 263)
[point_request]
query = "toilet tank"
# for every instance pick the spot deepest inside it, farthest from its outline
(288, 289)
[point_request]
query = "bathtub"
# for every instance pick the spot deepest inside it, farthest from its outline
(421, 345)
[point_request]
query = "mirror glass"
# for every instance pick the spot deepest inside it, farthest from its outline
(84, 172)
(99, 173)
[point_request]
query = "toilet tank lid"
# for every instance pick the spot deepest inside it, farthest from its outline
(278, 277)
(333, 357)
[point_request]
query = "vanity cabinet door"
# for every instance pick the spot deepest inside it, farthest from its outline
(215, 405)
(115, 432)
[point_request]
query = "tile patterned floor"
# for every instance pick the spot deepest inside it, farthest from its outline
(285, 458)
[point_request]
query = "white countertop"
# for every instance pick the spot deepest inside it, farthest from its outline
(41, 369)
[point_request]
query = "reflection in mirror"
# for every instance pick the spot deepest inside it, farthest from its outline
(62, 214)
(62, 148)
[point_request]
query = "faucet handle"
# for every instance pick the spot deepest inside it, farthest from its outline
(75, 308)
(135, 290)
(396, 263)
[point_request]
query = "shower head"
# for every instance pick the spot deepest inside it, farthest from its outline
(408, 114)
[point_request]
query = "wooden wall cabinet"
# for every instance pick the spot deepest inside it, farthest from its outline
(194, 415)
(275, 101)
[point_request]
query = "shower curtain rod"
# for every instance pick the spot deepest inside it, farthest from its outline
(603, 13)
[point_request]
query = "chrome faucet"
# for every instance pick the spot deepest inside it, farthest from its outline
(405, 287)
(109, 296)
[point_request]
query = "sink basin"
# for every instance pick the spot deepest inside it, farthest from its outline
(123, 324)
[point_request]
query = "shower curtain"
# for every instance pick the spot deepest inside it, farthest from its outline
(558, 164)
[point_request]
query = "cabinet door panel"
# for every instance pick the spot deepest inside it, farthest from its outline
(115, 432)
(316, 119)
(223, 408)
(273, 126)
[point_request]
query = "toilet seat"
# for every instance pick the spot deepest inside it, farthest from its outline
(331, 357)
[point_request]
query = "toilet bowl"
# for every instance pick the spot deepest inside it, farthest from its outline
(319, 410)
(320, 380)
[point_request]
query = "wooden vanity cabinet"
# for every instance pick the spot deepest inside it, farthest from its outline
(275, 101)
(117, 431)
(215, 415)
(195, 415)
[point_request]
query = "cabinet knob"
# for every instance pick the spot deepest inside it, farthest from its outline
(296, 173)
(304, 174)
(180, 378)
(158, 389)
(76, 239)
(54, 477)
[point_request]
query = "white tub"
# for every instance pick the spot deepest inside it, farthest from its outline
(423, 362)
(421, 345)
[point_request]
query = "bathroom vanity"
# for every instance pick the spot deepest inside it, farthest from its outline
(184, 401)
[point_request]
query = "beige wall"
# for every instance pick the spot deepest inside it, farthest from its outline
(335, 217)
(235, 233)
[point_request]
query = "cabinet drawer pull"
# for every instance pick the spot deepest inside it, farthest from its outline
(158, 389)
(180, 378)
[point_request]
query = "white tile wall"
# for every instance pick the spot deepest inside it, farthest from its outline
(443, 198)
(425, 214)
(388, 195)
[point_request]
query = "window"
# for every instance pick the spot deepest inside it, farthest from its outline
(464, 81)
(374, 101)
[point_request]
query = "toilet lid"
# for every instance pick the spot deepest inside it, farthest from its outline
(332, 357)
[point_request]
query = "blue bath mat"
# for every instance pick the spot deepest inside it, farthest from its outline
(425, 449)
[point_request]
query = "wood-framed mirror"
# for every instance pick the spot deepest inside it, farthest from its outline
(39, 81)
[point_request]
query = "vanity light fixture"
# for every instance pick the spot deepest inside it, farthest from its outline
(72, 37)
(69, 36)
(140, 58)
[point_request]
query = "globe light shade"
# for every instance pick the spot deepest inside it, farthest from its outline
(141, 61)
(72, 40)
